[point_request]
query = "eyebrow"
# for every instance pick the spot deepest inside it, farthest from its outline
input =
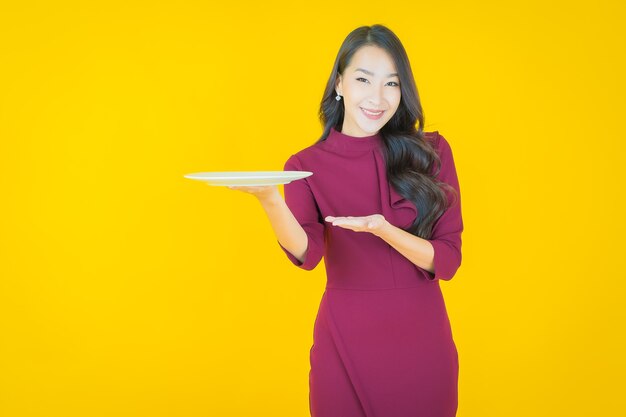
(395, 74)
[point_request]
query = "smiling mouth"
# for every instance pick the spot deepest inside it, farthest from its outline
(372, 112)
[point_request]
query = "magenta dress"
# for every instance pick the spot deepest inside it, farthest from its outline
(383, 344)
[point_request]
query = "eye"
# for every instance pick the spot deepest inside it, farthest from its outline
(361, 78)
(395, 83)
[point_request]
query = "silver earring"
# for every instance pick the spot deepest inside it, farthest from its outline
(338, 97)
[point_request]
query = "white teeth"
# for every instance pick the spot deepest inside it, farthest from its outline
(373, 114)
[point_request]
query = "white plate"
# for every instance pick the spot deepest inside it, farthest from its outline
(248, 178)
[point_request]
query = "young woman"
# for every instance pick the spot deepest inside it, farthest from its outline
(383, 208)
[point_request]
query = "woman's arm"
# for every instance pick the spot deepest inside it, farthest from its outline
(295, 219)
(288, 231)
(414, 248)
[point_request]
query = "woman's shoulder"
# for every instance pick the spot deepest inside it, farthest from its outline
(438, 142)
(307, 155)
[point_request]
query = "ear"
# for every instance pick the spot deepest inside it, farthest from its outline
(338, 87)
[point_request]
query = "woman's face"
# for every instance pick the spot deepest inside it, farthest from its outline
(370, 87)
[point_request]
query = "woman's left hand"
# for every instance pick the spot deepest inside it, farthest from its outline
(373, 223)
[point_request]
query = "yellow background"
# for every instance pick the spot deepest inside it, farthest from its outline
(128, 290)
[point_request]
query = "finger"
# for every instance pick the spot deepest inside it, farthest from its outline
(348, 222)
(237, 188)
(336, 219)
(333, 218)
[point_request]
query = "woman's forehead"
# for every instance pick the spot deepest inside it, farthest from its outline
(374, 61)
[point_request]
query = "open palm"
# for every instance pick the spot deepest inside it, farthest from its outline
(371, 223)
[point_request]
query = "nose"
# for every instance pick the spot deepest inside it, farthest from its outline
(376, 96)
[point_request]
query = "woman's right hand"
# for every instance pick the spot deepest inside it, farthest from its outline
(265, 193)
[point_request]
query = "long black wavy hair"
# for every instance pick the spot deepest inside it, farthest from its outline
(409, 156)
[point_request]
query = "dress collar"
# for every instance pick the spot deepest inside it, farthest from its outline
(342, 142)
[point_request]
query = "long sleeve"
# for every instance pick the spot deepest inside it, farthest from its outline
(446, 237)
(300, 200)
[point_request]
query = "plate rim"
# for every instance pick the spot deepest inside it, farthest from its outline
(285, 175)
